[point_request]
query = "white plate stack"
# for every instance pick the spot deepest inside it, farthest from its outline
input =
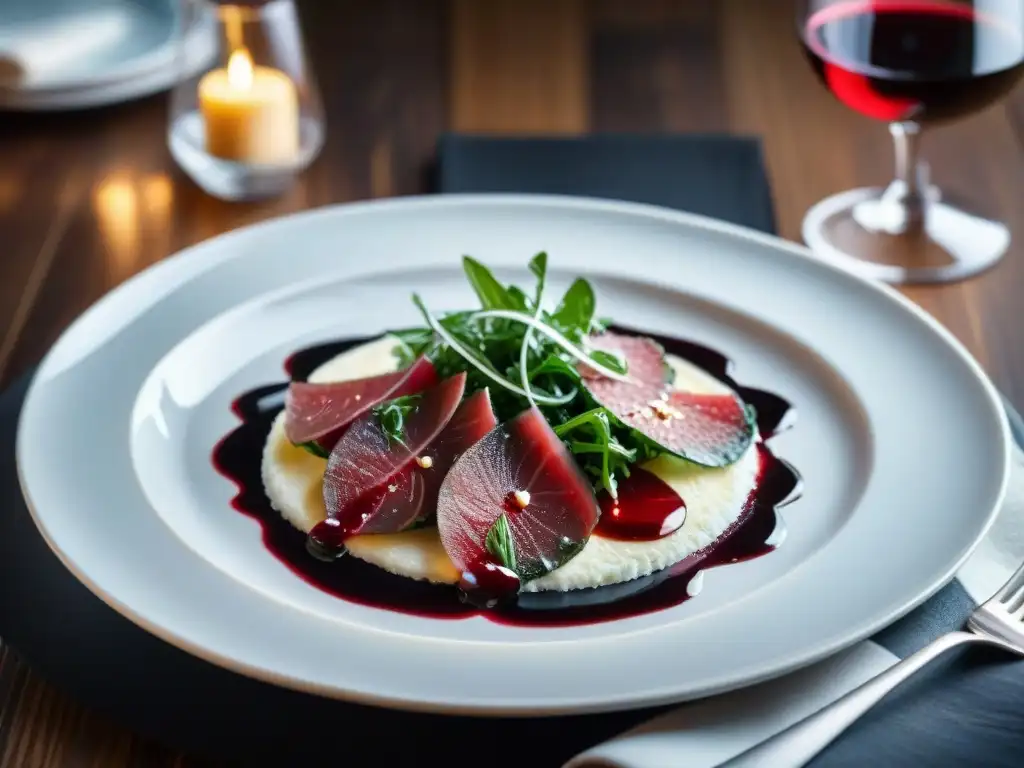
(75, 54)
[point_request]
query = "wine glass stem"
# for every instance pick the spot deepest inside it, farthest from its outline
(909, 189)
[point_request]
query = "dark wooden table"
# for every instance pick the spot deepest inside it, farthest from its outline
(88, 199)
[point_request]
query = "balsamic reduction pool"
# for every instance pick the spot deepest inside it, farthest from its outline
(238, 457)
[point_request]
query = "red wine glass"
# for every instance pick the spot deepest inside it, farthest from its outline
(912, 64)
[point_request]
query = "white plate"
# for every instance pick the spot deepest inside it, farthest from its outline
(901, 441)
(84, 55)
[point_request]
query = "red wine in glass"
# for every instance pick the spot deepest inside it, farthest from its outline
(912, 63)
(913, 60)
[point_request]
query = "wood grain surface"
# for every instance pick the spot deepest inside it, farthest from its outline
(88, 199)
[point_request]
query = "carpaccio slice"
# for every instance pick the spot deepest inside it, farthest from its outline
(520, 471)
(366, 472)
(471, 422)
(710, 430)
(412, 494)
(645, 360)
(320, 412)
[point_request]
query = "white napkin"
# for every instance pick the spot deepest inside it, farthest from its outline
(32, 53)
(705, 733)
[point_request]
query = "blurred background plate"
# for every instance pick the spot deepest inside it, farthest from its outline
(72, 54)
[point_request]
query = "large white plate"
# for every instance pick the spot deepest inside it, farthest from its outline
(900, 439)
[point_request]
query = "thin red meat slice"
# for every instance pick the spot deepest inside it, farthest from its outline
(521, 472)
(411, 495)
(320, 412)
(370, 485)
(645, 359)
(710, 430)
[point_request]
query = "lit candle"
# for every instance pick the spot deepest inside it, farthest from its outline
(251, 113)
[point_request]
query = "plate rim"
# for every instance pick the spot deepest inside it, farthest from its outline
(561, 705)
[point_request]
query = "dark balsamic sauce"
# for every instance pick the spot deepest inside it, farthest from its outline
(647, 508)
(486, 583)
(239, 456)
(327, 539)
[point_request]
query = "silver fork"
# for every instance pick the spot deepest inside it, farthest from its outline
(999, 621)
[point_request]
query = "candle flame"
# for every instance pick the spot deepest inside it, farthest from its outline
(240, 70)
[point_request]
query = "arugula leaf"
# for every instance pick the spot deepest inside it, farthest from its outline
(521, 300)
(590, 433)
(499, 543)
(556, 366)
(539, 268)
(492, 294)
(576, 310)
(392, 415)
(609, 360)
(315, 448)
(413, 342)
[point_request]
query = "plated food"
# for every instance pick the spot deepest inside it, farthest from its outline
(194, 552)
(526, 460)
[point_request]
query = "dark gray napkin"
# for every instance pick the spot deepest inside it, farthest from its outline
(718, 176)
(965, 710)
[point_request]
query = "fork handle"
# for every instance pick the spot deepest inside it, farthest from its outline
(799, 743)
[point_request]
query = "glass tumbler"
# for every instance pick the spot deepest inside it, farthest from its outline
(245, 126)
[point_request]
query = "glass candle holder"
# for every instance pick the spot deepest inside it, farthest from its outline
(248, 124)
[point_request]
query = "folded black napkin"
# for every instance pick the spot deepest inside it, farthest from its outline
(718, 176)
(969, 717)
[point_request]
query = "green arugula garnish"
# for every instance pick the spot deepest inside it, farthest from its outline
(315, 448)
(393, 414)
(499, 543)
(576, 310)
(527, 355)
(492, 294)
(608, 360)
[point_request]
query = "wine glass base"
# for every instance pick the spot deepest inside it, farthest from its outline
(857, 230)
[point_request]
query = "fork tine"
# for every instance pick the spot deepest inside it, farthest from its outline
(1016, 611)
(1013, 588)
(1015, 602)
